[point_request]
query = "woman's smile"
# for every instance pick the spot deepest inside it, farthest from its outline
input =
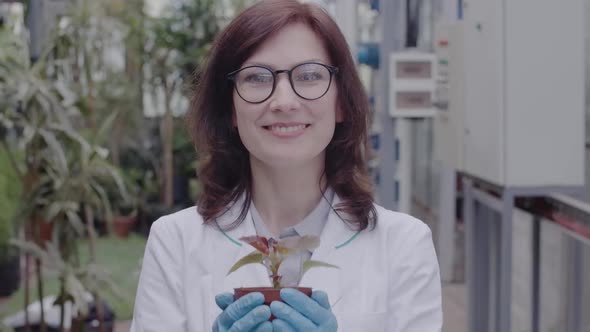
(287, 130)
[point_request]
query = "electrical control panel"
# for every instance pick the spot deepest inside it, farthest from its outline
(412, 84)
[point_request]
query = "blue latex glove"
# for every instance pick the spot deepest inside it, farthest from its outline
(246, 314)
(301, 313)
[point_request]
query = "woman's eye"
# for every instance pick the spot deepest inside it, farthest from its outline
(309, 76)
(258, 78)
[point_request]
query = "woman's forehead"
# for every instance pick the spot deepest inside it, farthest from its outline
(290, 46)
(288, 66)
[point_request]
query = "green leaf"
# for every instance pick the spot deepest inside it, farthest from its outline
(75, 221)
(309, 264)
(72, 134)
(104, 199)
(55, 261)
(105, 128)
(56, 149)
(97, 280)
(31, 248)
(58, 207)
(251, 258)
(77, 291)
(116, 176)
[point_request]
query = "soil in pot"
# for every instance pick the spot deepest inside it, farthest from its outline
(270, 294)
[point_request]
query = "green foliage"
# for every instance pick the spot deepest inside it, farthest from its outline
(118, 259)
(254, 257)
(185, 154)
(65, 172)
(181, 36)
(77, 279)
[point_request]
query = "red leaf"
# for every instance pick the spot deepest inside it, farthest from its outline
(258, 242)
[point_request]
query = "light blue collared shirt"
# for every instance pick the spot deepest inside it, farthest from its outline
(311, 225)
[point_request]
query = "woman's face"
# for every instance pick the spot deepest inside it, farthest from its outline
(286, 130)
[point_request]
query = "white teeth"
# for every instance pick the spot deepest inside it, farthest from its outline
(288, 129)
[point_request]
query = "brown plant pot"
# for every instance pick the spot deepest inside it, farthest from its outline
(45, 231)
(122, 225)
(270, 294)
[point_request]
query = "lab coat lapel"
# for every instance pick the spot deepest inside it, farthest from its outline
(251, 275)
(330, 280)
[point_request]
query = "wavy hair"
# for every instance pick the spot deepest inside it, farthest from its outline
(224, 168)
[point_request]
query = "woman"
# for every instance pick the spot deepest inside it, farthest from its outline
(281, 118)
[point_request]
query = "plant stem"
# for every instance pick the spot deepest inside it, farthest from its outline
(276, 279)
(29, 180)
(39, 269)
(91, 232)
(40, 292)
(27, 279)
(62, 292)
(92, 248)
(167, 131)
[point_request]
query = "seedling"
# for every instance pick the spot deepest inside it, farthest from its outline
(271, 253)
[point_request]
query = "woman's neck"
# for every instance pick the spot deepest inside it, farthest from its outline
(285, 196)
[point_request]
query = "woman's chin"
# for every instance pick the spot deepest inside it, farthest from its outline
(288, 161)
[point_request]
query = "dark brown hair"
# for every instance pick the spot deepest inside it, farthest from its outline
(224, 168)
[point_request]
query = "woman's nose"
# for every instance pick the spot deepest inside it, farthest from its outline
(284, 98)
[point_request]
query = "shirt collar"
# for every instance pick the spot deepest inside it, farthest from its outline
(312, 224)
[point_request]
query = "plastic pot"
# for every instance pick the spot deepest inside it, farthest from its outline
(270, 294)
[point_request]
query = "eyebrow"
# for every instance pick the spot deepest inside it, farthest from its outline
(247, 64)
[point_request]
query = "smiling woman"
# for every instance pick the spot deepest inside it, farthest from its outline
(262, 61)
(280, 117)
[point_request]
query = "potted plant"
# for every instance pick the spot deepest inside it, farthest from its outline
(124, 219)
(272, 253)
(126, 207)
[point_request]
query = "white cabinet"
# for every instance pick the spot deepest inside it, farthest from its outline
(523, 92)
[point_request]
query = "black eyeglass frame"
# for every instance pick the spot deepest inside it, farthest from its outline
(331, 69)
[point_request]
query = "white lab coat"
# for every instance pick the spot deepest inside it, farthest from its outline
(388, 278)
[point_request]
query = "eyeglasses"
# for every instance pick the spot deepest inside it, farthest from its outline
(310, 80)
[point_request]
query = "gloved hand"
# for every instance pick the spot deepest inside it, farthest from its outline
(301, 313)
(244, 315)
